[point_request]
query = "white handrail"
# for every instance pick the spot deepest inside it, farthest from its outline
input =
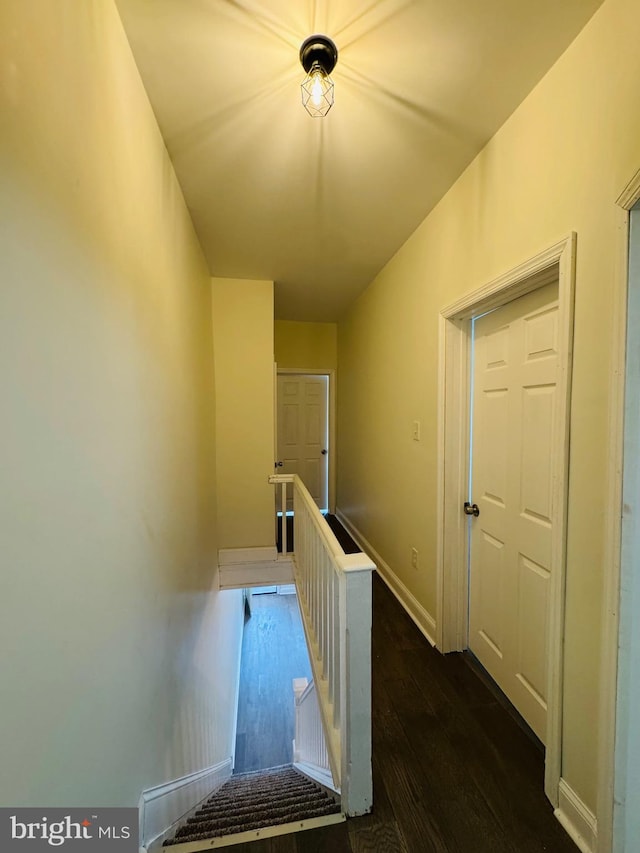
(334, 592)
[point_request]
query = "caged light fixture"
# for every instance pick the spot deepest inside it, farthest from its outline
(318, 55)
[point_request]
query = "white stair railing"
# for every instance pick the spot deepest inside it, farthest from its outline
(334, 592)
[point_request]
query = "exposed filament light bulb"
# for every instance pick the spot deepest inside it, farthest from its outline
(318, 56)
(316, 88)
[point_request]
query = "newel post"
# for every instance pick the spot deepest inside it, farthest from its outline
(355, 682)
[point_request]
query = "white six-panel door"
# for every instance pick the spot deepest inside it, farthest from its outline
(303, 431)
(514, 397)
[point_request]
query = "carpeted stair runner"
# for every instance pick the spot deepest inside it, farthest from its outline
(256, 800)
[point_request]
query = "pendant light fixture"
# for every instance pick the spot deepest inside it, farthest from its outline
(318, 56)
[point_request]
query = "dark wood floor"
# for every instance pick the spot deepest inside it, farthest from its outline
(274, 652)
(452, 771)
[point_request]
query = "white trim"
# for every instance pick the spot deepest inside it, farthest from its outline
(256, 834)
(233, 556)
(525, 278)
(627, 199)
(630, 195)
(440, 476)
(333, 454)
(317, 774)
(452, 479)
(422, 618)
(270, 573)
(165, 807)
(613, 528)
(578, 820)
(558, 261)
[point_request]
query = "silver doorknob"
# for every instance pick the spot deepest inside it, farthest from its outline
(278, 464)
(471, 509)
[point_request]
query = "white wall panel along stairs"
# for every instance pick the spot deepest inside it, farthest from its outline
(309, 746)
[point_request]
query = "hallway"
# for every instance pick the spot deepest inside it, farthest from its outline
(452, 771)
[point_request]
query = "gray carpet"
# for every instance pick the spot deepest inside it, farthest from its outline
(256, 800)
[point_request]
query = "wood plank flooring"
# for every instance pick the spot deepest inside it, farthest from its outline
(453, 772)
(274, 652)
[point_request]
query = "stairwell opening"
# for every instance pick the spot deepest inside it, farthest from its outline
(274, 652)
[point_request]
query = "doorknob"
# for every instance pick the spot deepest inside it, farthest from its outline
(278, 464)
(324, 452)
(471, 509)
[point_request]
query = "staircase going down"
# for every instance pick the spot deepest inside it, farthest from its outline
(262, 803)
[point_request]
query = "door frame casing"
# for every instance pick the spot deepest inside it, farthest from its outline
(556, 263)
(330, 373)
(610, 687)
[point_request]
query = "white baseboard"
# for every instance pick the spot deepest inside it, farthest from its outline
(317, 774)
(268, 573)
(231, 556)
(577, 819)
(422, 618)
(164, 807)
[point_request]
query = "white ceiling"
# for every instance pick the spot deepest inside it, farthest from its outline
(319, 205)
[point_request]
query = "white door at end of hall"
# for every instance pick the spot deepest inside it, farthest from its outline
(303, 431)
(515, 369)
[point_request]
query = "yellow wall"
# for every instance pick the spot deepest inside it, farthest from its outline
(306, 345)
(557, 165)
(119, 658)
(243, 347)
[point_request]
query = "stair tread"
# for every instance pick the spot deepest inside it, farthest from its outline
(256, 794)
(202, 833)
(256, 803)
(282, 781)
(267, 806)
(247, 779)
